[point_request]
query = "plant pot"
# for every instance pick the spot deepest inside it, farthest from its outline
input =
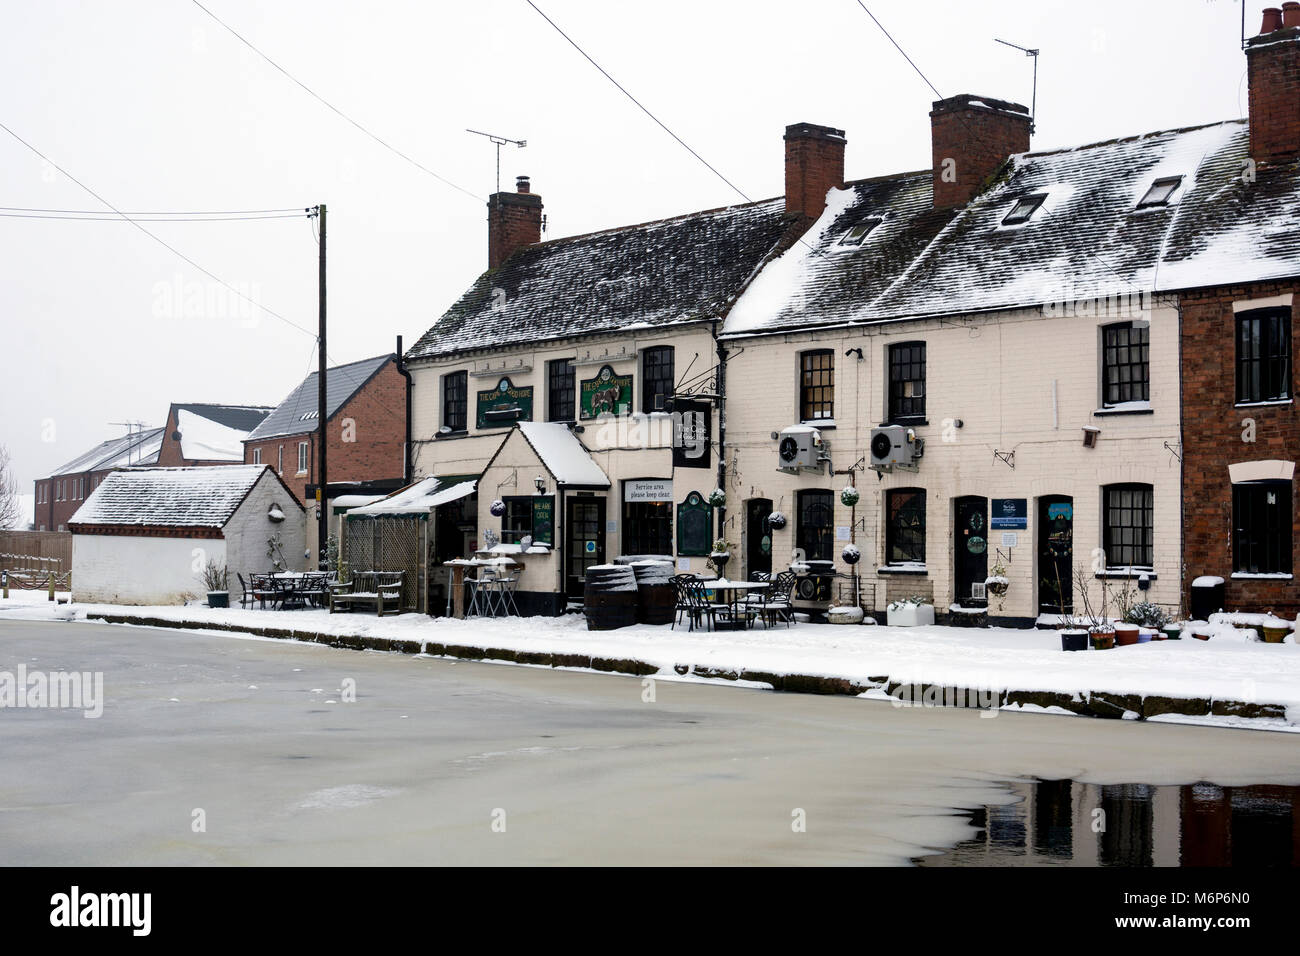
(1173, 632)
(218, 599)
(720, 562)
(1102, 640)
(845, 615)
(1126, 635)
(910, 615)
(1074, 640)
(1274, 635)
(1201, 635)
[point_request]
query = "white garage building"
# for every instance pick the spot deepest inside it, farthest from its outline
(145, 535)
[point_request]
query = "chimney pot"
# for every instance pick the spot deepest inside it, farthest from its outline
(521, 184)
(970, 138)
(1272, 20)
(1273, 81)
(1291, 15)
(514, 221)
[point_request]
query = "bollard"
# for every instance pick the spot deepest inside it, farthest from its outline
(51, 585)
(4, 583)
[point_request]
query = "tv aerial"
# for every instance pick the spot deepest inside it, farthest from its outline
(1033, 103)
(499, 141)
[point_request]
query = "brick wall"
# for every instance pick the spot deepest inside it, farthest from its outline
(978, 139)
(1274, 75)
(53, 512)
(1212, 440)
(366, 438)
(514, 220)
(814, 163)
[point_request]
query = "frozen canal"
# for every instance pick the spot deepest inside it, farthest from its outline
(461, 763)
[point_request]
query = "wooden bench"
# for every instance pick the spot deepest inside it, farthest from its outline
(369, 588)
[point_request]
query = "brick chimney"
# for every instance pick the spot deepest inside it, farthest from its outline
(1273, 68)
(970, 137)
(814, 163)
(514, 220)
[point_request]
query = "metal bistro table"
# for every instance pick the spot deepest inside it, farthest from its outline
(737, 591)
(456, 594)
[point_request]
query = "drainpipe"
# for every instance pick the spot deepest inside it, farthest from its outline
(406, 444)
(722, 425)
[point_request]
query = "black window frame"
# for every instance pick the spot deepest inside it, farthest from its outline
(1023, 210)
(1265, 376)
(814, 395)
(561, 390)
(647, 527)
(658, 367)
(904, 360)
(1120, 533)
(518, 518)
(1262, 532)
(904, 545)
(815, 539)
(455, 408)
(1124, 379)
(1148, 199)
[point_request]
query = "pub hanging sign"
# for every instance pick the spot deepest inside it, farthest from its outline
(504, 405)
(606, 394)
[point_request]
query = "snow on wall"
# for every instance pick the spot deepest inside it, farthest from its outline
(119, 569)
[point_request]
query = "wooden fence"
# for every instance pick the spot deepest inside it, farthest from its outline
(36, 551)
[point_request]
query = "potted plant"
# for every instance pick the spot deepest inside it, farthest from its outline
(718, 498)
(215, 580)
(1101, 631)
(776, 521)
(849, 496)
(911, 611)
(1200, 630)
(719, 556)
(1275, 629)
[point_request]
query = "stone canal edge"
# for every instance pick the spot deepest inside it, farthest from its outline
(1103, 704)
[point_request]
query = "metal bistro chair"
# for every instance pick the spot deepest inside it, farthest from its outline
(502, 592)
(777, 602)
(684, 605)
(263, 588)
(480, 595)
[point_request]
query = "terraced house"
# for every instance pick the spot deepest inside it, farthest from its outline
(1025, 368)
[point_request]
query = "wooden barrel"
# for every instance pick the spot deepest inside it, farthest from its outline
(656, 598)
(609, 601)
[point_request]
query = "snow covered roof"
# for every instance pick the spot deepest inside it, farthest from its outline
(421, 497)
(299, 412)
(138, 448)
(216, 432)
(566, 458)
(199, 497)
(684, 269)
(1088, 239)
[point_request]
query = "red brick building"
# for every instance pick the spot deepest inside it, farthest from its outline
(366, 425)
(203, 434)
(1241, 432)
(60, 495)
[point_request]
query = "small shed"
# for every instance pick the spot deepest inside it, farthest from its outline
(145, 535)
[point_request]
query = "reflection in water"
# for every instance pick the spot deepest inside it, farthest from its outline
(1066, 823)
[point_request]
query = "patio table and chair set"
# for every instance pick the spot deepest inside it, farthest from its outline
(285, 590)
(734, 605)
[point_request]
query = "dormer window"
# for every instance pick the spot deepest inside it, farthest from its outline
(857, 234)
(1160, 192)
(1023, 209)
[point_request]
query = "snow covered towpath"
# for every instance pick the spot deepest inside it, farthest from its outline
(1232, 682)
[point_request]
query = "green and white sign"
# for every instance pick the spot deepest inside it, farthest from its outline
(504, 405)
(606, 394)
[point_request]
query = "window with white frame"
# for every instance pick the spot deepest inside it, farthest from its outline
(302, 458)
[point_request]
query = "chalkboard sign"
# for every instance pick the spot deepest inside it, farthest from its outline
(544, 520)
(695, 526)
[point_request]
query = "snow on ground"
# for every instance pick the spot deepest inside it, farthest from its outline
(992, 658)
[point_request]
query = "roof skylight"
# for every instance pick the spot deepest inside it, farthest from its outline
(1023, 209)
(1160, 192)
(856, 235)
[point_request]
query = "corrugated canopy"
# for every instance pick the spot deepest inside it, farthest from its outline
(419, 498)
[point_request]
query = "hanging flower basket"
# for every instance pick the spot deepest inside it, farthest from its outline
(776, 521)
(851, 554)
(717, 497)
(996, 585)
(849, 496)
(498, 508)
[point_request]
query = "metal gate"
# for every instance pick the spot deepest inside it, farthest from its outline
(389, 543)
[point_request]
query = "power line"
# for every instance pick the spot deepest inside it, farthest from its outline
(307, 89)
(138, 218)
(189, 212)
(900, 49)
(166, 245)
(638, 103)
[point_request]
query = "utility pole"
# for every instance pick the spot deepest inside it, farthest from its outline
(322, 522)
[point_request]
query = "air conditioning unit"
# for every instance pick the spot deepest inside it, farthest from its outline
(799, 447)
(895, 446)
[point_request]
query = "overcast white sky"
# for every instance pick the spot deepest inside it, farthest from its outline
(156, 107)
